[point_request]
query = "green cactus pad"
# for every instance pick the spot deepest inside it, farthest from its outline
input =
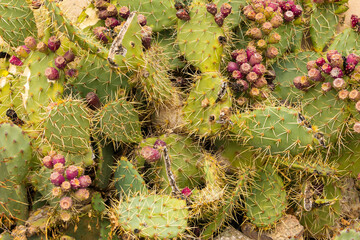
(105, 161)
(266, 202)
(167, 40)
(235, 16)
(348, 234)
(67, 127)
(10, 95)
(348, 41)
(13, 202)
(152, 216)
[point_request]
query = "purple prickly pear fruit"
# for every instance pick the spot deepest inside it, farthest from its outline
(250, 51)
(150, 154)
(286, 5)
(57, 179)
(274, 38)
(72, 73)
(56, 192)
(211, 8)
(112, 11)
(100, 35)
(66, 186)
(236, 52)
(82, 194)
(273, 5)
(339, 83)
(297, 10)
(276, 21)
(47, 161)
(237, 75)
(30, 43)
(352, 59)
(101, 4)
(85, 181)
(326, 68)
(302, 83)
(349, 68)
(254, 33)
(330, 53)
(354, 95)
(343, 94)
(59, 167)
(336, 60)
(75, 183)
(320, 61)
(252, 77)
(357, 130)
(103, 14)
(69, 56)
(289, 16)
(232, 66)
(159, 144)
(315, 75)
(42, 47)
(186, 191)
(146, 36)
(255, 59)
(72, 172)
(182, 14)
(326, 87)
(141, 20)
(336, 73)
(311, 64)
(15, 61)
(66, 203)
(124, 12)
(357, 106)
(112, 22)
(260, 82)
(354, 20)
(60, 62)
(58, 158)
(52, 73)
(272, 52)
(225, 9)
(259, 69)
(260, 18)
(241, 58)
(93, 101)
(53, 43)
(22, 51)
(267, 27)
(245, 68)
(219, 19)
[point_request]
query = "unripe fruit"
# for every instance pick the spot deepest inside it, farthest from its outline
(150, 154)
(52, 73)
(60, 62)
(72, 172)
(69, 56)
(66, 203)
(57, 179)
(54, 43)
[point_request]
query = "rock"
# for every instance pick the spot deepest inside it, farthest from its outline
(232, 234)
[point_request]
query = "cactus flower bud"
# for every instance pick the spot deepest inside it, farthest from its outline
(276, 21)
(22, 51)
(252, 77)
(326, 68)
(56, 192)
(259, 69)
(357, 106)
(99, 33)
(330, 53)
(336, 60)
(112, 11)
(254, 33)
(301, 83)
(30, 43)
(343, 94)
(52, 73)
(274, 38)
(297, 10)
(311, 64)
(320, 61)
(272, 52)
(42, 47)
(219, 19)
(289, 16)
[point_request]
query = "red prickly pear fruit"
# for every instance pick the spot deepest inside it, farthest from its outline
(274, 38)
(100, 35)
(72, 73)
(159, 144)
(93, 101)
(301, 83)
(112, 22)
(219, 19)
(237, 75)
(66, 203)
(357, 130)
(182, 14)
(82, 194)
(250, 51)
(336, 73)
(146, 32)
(178, 5)
(85, 181)
(112, 11)
(357, 106)
(289, 16)
(245, 68)
(339, 83)
(56, 192)
(287, 5)
(52, 73)
(336, 60)
(330, 53)
(75, 183)
(141, 20)
(315, 75)
(297, 10)
(57, 179)
(66, 186)
(259, 69)
(54, 43)
(273, 5)
(69, 56)
(101, 4)
(186, 192)
(22, 51)
(326, 68)
(254, 33)
(255, 59)
(103, 14)
(267, 28)
(42, 47)
(311, 64)
(349, 68)
(124, 12)
(326, 87)
(354, 95)
(30, 43)
(15, 61)
(276, 21)
(260, 18)
(60, 62)
(58, 158)
(250, 15)
(236, 52)
(241, 58)
(47, 161)
(211, 8)
(352, 59)
(354, 20)
(343, 94)
(272, 52)
(72, 172)
(150, 154)
(232, 66)
(59, 167)
(252, 77)
(225, 9)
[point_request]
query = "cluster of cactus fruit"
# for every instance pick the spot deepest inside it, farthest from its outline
(170, 119)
